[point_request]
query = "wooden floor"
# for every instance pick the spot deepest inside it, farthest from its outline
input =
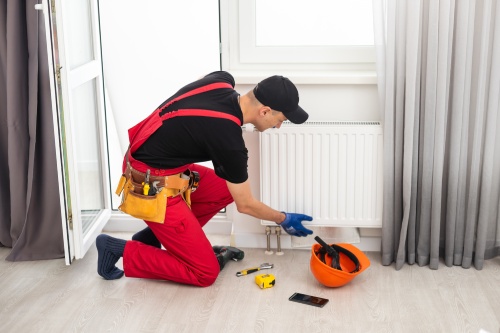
(47, 296)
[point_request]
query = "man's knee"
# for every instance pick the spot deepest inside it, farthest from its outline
(208, 277)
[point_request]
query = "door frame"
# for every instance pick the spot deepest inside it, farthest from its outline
(63, 79)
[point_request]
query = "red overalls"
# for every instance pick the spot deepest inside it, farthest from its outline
(189, 257)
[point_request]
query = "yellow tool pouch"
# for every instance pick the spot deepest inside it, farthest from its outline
(194, 181)
(187, 197)
(145, 207)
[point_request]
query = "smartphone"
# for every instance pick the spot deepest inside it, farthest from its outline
(308, 299)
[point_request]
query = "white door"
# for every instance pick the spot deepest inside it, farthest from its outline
(73, 37)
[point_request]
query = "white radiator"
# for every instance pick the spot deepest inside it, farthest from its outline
(329, 170)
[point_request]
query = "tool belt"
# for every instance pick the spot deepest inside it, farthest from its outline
(145, 196)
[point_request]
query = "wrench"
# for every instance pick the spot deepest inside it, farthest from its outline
(254, 269)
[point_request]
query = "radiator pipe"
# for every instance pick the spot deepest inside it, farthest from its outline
(268, 235)
(278, 239)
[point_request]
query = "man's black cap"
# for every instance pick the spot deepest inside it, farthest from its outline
(280, 94)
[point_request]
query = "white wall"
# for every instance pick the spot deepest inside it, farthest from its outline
(151, 49)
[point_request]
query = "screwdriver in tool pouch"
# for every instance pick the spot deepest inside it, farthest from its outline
(145, 189)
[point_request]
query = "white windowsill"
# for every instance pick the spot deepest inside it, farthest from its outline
(297, 77)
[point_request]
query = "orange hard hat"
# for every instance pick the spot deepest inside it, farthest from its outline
(337, 264)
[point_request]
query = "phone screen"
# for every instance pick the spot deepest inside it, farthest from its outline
(308, 299)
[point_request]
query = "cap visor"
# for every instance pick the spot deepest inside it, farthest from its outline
(298, 116)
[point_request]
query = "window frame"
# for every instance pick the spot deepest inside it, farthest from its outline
(308, 64)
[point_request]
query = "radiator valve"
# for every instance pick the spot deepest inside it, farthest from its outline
(278, 240)
(268, 236)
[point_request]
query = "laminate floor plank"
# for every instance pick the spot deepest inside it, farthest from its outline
(48, 296)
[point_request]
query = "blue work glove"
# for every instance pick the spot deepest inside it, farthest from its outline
(293, 224)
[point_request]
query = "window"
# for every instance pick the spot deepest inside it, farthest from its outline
(333, 18)
(314, 38)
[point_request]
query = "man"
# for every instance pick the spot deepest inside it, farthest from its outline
(201, 122)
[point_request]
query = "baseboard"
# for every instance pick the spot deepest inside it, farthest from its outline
(124, 223)
(366, 244)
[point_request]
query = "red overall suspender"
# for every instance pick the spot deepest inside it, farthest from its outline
(143, 130)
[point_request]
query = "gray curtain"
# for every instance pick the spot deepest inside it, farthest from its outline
(30, 218)
(438, 66)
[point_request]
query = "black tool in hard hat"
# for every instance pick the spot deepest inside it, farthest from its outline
(333, 251)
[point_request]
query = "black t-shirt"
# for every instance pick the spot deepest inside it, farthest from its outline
(190, 139)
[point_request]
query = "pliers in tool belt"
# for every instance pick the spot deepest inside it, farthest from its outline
(254, 269)
(194, 180)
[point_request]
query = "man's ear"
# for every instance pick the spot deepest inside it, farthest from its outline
(264, 110)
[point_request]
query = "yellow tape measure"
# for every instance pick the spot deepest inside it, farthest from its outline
(265, 280)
